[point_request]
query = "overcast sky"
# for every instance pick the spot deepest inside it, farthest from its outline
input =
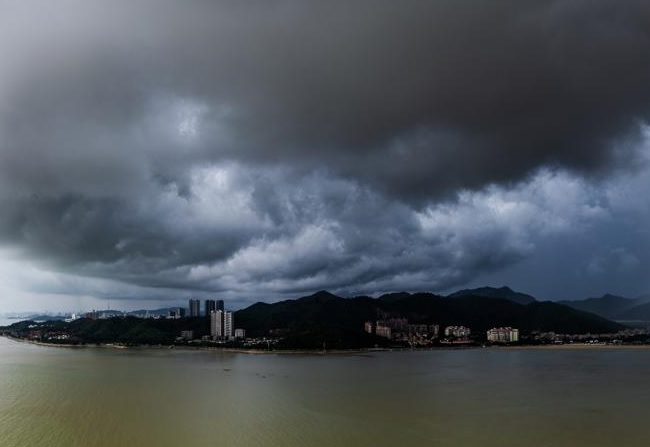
(153, 151)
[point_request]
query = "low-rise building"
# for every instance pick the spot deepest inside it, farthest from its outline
(400, 329)
(457, 331)
(503, 335)
(383, 331)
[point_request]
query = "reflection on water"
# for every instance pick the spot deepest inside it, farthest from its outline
(487, 397)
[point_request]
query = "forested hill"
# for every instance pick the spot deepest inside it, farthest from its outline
(324, 311)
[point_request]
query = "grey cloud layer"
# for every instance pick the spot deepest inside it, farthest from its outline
(186, 145)
(417, 98)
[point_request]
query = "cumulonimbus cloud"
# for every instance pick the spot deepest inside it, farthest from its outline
(156, 142)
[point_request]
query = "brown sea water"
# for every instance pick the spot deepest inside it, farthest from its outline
(480, 397)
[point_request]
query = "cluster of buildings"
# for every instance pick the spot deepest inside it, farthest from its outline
(503, 335)
(399, 329)
(209, 306)
(458, 332)
(222, 322)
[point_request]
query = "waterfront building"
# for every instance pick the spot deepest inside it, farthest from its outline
(503, 335)
(383, 331)
(400, 328)
(216, 324)
(228, 325)
(457, 331)
(221, 324)
(240, 333)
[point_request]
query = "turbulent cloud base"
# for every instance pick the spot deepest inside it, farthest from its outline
(261, 150)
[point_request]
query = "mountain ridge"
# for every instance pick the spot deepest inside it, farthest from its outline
(614, 307)
(326, 317)
(503, 292)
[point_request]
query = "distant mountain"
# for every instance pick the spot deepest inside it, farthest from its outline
(394, 296)
(481, 314)
(311, 320)
(643, 298)
(321, 296)
(636, 313)
(614, 307)
(607, 306)
(505, 293)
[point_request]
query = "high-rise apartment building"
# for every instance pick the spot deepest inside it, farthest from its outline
(210, 306)
(219, 305)
(228, 325)
(221, 324)
(216, 323)
(195, 308)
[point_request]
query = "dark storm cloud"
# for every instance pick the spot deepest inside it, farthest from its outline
(448, 94)
(295, 145)
(72, 231)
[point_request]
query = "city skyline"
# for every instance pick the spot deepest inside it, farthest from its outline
(152, 153)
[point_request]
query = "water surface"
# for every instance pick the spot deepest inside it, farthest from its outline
(480, 397)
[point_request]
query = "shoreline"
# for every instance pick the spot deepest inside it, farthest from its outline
(194, 348)
(576, 346)
(320, 352)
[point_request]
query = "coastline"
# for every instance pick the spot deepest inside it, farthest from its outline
(194, 348)
(320, 352)
(576, 346)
